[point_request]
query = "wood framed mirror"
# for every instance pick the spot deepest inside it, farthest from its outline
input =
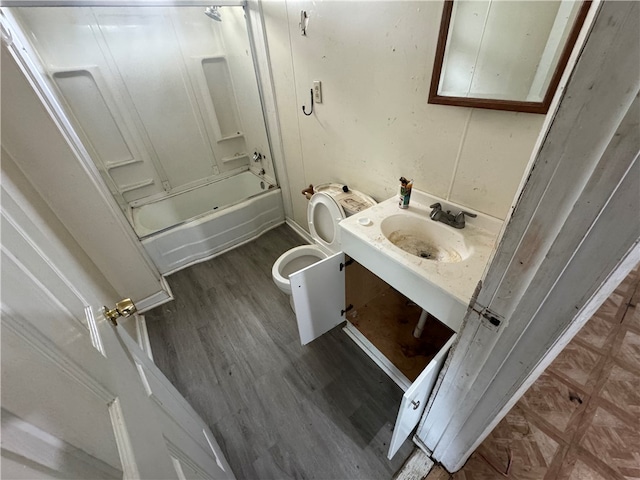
(504, 55)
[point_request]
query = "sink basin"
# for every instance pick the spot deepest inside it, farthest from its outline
(425, 238)
(433, 264)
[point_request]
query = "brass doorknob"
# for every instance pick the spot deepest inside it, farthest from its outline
(124, 308)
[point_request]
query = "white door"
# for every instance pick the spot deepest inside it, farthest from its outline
(79, 398)
(318, 297)
(415, 399)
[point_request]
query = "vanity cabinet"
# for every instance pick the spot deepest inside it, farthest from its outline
(380, 320)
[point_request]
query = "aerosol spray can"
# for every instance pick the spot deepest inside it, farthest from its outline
(405, 192)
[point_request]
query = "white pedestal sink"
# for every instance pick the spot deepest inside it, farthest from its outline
(433, 264)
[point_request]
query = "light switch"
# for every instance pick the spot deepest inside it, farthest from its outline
(317, 91)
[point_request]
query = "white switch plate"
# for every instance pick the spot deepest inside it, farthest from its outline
(317, 91)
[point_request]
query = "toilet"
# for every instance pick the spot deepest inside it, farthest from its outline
(328, 205)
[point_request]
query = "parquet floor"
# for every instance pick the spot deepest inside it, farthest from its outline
(581, 419)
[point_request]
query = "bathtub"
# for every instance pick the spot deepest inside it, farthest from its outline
(191, 226)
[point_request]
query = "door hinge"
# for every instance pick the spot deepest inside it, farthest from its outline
(491, 319)
(346, 264)
(342, 312)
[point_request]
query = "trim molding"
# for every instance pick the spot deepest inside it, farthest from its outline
(123, 441)
(24, 330)
(143, 335)
(266, 87)
(45, 451)
(159, 298)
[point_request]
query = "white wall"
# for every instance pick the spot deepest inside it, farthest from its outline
(375, 61)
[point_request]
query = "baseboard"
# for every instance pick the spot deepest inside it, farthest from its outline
(159, 298)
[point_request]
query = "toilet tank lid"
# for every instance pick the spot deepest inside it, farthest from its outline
(352, 201)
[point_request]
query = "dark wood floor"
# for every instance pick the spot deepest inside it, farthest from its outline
(229, 343)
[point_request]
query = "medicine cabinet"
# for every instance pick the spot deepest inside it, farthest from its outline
(504, 55)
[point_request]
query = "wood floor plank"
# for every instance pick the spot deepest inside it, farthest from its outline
(229, 343)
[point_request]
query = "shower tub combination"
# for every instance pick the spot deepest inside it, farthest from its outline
(173, 122)
(197, 224)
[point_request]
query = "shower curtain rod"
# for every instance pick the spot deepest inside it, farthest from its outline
(122, 3)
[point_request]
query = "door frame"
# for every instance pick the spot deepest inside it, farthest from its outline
(550, 272)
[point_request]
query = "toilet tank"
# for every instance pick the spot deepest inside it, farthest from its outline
(352, 201)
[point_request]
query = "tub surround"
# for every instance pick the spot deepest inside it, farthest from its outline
(444, 289)
(164, 100)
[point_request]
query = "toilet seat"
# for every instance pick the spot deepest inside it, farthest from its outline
(323, 216)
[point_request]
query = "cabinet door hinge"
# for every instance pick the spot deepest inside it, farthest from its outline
(342, 312)
(346, 264)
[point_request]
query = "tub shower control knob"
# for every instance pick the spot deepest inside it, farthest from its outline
(124, 308)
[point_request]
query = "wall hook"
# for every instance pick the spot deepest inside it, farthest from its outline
(304, 21)
(310, 111)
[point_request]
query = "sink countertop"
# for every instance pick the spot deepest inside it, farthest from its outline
(443, 289)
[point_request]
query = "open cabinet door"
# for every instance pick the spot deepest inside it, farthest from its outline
(318, 297)
(415, 399)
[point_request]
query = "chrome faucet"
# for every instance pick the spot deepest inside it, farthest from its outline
(456, 221)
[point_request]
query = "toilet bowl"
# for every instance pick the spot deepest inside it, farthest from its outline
(290, 262)
(323, 215)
